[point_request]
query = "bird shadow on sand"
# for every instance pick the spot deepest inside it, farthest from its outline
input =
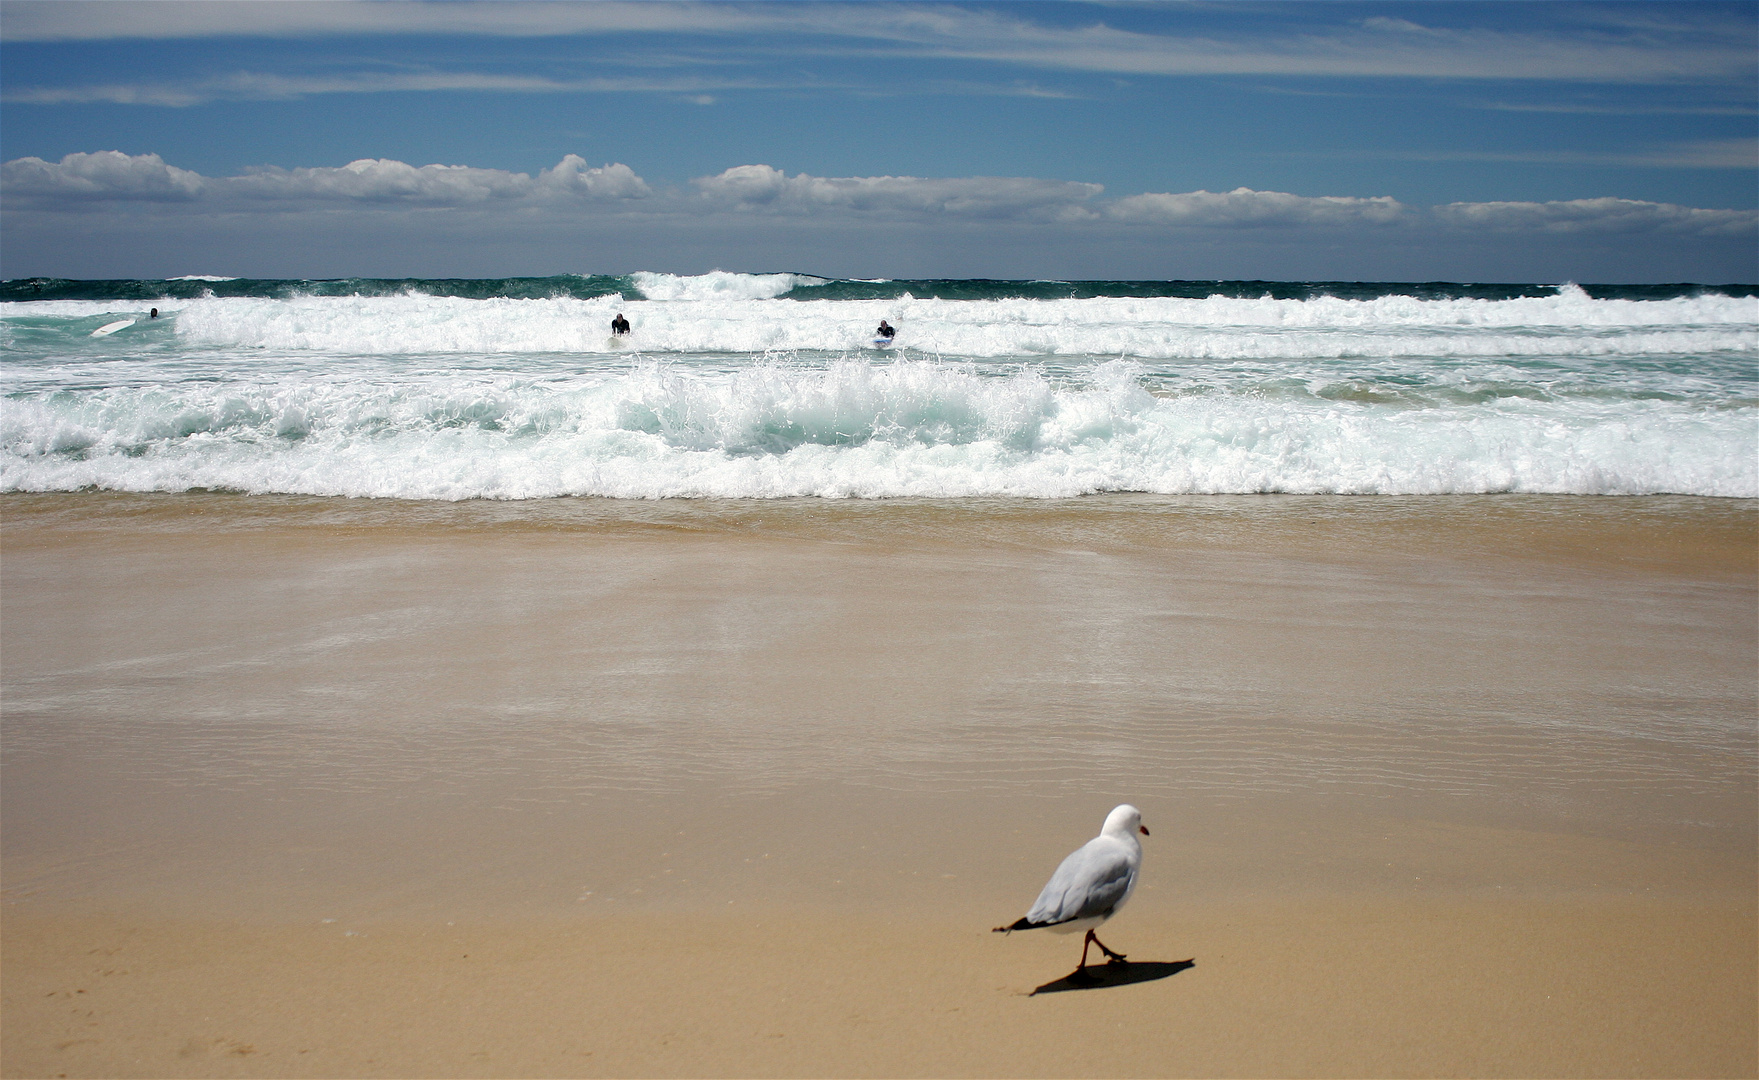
(1115, 974)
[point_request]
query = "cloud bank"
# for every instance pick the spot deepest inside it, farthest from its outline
(1244, 207)
(1597, 216)
(86, 182)
(112, 176)
(115, 215)
(108, 175)
(762, 188)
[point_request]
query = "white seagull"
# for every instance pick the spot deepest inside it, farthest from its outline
(1092, 884)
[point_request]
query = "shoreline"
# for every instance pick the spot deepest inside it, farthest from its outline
(1436, 785)
(1689, 535)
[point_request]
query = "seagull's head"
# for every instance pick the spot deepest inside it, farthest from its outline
(1124, 820)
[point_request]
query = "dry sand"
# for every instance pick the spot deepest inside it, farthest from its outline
(305, 787)
(1583, 986)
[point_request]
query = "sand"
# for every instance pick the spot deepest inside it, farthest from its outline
(307, 787)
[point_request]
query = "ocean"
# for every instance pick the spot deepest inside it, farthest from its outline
(770, 386)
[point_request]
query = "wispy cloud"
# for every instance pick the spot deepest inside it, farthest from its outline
(1597, 216)
(1387, 48)
(1701, 154)
(259, 86)
(1659, 51)
(1618, 109)
(254, 86)
(109, 20)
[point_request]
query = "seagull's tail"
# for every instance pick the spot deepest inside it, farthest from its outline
(1020, 924)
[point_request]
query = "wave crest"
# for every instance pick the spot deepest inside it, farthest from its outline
(854, 429)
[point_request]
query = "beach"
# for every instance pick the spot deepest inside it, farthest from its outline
(1437, 785)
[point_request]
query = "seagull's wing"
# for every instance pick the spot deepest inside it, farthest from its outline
(1090, 883)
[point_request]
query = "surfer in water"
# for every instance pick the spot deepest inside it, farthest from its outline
(619, 325)
(155, 314)
(886, 330)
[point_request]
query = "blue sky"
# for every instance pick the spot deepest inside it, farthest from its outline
(1506, 141)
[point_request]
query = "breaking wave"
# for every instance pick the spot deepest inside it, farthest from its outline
(756, 386)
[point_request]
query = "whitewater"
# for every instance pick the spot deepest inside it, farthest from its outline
(768, 385)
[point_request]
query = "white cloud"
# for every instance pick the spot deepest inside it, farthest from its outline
(1245, 207)
(385, 181)
(760, 187)
(377, 180)
(114, 176)
(1606, 215)
(572, 176)
(108, 174)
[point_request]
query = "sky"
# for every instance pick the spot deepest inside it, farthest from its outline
(1511, 141)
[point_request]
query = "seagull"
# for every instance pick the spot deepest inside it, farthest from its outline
(1092, 884)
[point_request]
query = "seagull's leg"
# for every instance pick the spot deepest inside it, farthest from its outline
(1084, 943)
(1111, 957)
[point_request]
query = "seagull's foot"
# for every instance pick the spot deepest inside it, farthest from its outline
(1111, 957)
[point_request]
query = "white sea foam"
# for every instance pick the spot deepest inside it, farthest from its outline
(718, 285)
(851, 429)
(79, 309)
(1159, 328)
(725, 390)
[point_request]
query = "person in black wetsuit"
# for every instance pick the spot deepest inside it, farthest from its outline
(619, 325)
(886, 330)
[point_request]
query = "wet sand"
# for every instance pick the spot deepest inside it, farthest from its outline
(324, 787)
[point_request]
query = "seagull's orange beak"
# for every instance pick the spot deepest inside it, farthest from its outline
(1144, 829)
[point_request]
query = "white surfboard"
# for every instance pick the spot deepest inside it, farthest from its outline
(110, 328)
(883, 342)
